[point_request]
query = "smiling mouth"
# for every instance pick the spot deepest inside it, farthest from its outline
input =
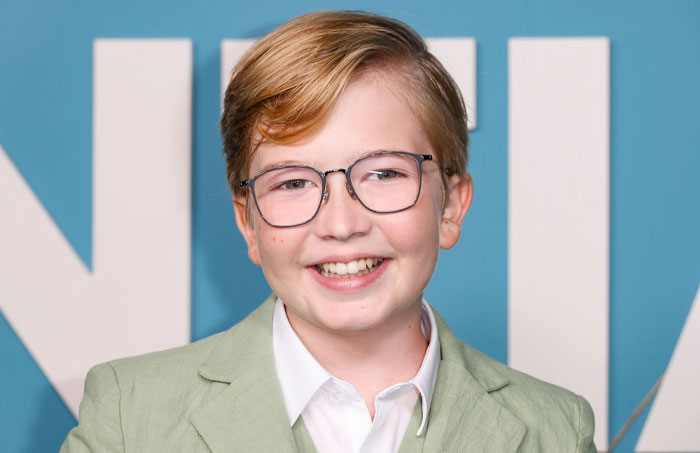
(350, 269)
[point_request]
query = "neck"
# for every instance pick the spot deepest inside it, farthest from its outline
(371, 360)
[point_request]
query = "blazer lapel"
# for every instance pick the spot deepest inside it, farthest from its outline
(246, 410)
(465, 416)
(248, 413)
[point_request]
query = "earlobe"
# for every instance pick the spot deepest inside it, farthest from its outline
(246, 227)
(460, 199)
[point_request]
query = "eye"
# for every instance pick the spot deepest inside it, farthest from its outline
(385, 174)
(296, 184)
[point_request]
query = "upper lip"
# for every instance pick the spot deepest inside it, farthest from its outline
(345, 258)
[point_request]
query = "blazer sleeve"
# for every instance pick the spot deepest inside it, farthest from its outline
(99, 428)
(586, 427)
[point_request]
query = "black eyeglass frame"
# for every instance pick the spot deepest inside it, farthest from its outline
(420, 158)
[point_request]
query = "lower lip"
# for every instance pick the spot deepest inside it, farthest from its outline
(349, 284)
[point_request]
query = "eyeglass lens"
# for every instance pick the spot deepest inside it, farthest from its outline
(383, 183)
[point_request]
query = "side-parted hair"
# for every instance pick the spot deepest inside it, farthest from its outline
(288, 82)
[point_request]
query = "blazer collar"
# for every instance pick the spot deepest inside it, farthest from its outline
(249, 413)
(466, 416)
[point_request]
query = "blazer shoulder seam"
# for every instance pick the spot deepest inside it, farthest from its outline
(119, 407)
(579, 414)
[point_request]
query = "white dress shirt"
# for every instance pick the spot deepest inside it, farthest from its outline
(333, 410)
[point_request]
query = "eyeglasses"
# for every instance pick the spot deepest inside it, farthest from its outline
(384, 182)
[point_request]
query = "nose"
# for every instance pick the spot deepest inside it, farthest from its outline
(347, 185)
(341, 215)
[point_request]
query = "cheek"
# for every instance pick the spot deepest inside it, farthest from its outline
(277, 258)
(416, 230)
(277, 246)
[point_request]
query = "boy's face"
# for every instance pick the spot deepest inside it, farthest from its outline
(367, 118)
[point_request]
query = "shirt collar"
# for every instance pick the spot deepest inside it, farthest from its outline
(424, 380)
(301, 375)
(299, 372)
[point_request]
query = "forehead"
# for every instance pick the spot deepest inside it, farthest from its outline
(369, 116)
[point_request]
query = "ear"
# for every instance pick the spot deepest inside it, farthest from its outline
(246, 227)
(459, 201)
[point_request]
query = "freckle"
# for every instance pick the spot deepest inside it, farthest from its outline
(281, 241)
(274, 239)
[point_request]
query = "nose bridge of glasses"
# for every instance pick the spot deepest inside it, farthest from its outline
(348, 185)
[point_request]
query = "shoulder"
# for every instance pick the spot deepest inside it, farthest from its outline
(170, 364)
(128, 401)
(239, 344)
(160, 366)
(516, 384)
(136, 401)
(550, 413)
(553, 416)
(534, 401)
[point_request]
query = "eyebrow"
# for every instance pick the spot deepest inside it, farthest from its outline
(357, 156)
(284, 163)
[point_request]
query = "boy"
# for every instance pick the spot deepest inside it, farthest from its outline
(345, 142)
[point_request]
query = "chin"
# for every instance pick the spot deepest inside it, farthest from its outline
(353, 317)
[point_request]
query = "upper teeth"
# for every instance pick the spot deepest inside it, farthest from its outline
(351, 267)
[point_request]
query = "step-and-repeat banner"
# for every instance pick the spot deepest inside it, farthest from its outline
(579, 262)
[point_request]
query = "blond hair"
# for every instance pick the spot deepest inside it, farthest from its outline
(288, 82)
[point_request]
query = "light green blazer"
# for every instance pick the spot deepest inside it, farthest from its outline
(221, 394)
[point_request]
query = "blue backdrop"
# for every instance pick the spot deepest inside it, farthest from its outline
(45, 126)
